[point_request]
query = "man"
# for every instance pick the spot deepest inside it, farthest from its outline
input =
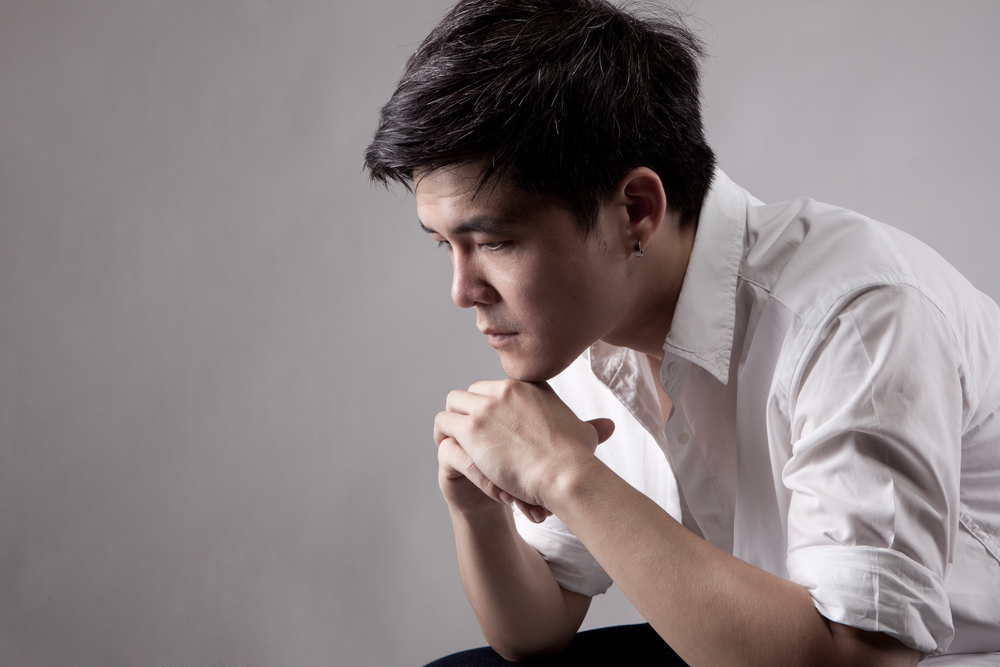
(803, 453)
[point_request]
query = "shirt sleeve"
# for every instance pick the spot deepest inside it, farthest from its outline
(877, 407)
(571, 563)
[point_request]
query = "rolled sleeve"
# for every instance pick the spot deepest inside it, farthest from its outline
(571, 563)
(879, 590)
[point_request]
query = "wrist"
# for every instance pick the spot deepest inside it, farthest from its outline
(569, 483)
(488, 520)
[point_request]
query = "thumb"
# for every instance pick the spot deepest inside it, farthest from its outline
(604, 427)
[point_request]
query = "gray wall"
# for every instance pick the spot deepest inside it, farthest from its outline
(221, 350)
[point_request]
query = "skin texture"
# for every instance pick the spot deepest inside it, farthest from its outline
(525, 266)
(546, 292)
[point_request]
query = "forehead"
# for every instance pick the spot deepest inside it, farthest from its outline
(449, 197)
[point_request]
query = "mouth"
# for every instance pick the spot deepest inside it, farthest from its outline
(498, 339)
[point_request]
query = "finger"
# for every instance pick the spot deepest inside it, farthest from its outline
(536, 513)
(448, 425)
(463, 402)
(452, 456)
(490, 387)
(604, 427)
(439, 435)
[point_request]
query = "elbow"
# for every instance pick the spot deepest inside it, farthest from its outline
(523, 651)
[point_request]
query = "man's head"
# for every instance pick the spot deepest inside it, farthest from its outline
(558, 97)
(543, 140)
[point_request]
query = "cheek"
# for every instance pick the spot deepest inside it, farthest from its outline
(552, 292)
(584, 299)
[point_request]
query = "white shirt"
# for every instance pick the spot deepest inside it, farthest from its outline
(836, 421)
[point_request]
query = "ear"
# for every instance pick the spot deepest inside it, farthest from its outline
(645, 202)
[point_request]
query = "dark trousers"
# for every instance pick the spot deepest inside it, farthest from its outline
(628, 645)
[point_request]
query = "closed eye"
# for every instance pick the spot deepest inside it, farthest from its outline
(492, 246)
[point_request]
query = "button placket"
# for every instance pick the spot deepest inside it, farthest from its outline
(672, 377)
(676, 427)
(695, 478)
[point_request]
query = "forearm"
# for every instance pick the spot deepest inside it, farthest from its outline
(520, 607)
(712, 608)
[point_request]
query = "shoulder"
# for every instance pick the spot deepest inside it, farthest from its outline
(815, 258)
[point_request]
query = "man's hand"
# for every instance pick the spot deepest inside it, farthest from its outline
(504, 440)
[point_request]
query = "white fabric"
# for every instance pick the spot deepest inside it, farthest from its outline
(836, 392)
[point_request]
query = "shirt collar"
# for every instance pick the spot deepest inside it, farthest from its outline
(705, 316)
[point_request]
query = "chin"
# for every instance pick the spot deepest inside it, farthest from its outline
(530, 377)
(531, 372)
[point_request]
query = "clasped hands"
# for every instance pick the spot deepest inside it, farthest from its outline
(507, 441)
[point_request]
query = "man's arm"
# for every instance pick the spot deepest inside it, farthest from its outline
(521, 608)
(712, 608)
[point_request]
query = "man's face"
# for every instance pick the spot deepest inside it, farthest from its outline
(543, 292)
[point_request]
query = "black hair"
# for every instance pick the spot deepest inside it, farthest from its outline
(563, 97)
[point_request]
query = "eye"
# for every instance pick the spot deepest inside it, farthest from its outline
(444, 244)
(494, 245)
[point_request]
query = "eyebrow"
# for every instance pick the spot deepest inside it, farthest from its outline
(484, 224)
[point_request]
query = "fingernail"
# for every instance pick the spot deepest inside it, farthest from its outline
(537, 514)
(505, 497)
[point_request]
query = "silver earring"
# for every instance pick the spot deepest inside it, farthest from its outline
(638, 249)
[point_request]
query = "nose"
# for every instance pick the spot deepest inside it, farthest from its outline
(468, 285)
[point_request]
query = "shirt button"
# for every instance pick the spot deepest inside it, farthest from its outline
(683, 438)
(673, 369)
(695, 368)
(711, 526)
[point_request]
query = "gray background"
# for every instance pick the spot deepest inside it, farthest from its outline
(221, 350)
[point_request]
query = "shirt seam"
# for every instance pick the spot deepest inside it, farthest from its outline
(810, 330)
(977, 531)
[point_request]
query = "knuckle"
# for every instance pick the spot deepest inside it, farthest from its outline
(469, 466)
(473, 473)
(477, 421)
(487, 486)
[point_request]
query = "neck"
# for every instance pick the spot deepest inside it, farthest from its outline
(657, 287)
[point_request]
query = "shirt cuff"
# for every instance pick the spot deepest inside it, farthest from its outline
(571, 564)
(879, 590)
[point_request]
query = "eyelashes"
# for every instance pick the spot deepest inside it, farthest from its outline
(492, 246)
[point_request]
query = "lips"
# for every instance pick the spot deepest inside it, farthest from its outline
(499, 338)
